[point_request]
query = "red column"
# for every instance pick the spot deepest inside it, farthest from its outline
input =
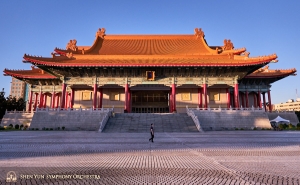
(205, 95)
(129, 100)
(236, 95)
(63, 95)
(66, 100)
(30, 101)
(72, 98)
(35, 101)
(170, 101)
(228, 97)
(264, 99)
(269, 99)
(199, 97)
(259, 99)
(41, 99)
(95, 97)
(247, 99)
(173, 97)
(100, 98)
(57, 100)
(45, 101)
(52, 100)
(126, 98)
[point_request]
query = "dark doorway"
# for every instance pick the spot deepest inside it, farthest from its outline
(150, 102)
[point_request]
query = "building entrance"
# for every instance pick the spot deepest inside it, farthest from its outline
(150, 102)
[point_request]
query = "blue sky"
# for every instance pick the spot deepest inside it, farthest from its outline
(263, 27)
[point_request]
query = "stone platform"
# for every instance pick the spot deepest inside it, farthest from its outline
(215, 157)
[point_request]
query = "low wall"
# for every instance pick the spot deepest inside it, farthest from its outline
(16, 118)
(223, 119)
(76, 119)
(285, 115)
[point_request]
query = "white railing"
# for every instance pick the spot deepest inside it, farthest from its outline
(73, 109)
(15, 111)
(195, 118)
(252, 109)
(105, 119)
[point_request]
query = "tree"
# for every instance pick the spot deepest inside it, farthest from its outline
(2, 103)
(10, 103)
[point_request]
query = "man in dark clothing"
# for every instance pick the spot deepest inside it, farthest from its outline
(151, 132)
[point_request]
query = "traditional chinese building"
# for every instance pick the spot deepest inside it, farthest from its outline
(149, 73)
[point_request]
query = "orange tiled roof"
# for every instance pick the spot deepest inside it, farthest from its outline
(271, 73)
(149, 60)
(34, 73)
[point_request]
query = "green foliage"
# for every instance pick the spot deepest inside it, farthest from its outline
(17, 126)
(263, 128)
(10, 103)
(242, 129)
(236, 129)
(51, 128)
(47, 129)
(298, 125)
(58, 128)
(2, 128)
(255, 128)
(36, 128)
(291, 126)
(63, 128)
(281, 126)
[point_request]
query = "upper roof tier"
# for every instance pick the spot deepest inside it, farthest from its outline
(149, 45)
(149, 50)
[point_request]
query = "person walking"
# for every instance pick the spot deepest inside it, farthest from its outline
(151, 132)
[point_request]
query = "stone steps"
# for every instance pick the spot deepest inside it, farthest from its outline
(140, 122)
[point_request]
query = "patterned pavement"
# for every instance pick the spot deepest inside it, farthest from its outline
(82, 157)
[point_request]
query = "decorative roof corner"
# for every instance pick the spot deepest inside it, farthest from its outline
(199, 33)
(101, 33)
(228, 45)
(72, 45)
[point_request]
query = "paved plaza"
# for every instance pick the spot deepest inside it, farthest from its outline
(87, 157)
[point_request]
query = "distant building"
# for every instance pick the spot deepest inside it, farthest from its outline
(291, 105)
(18, 88)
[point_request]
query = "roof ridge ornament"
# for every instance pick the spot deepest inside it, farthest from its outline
(228, 45)
(72, 45)
(199, 32)
(101, 33)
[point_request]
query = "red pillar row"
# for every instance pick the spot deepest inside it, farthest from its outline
(170, 101)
